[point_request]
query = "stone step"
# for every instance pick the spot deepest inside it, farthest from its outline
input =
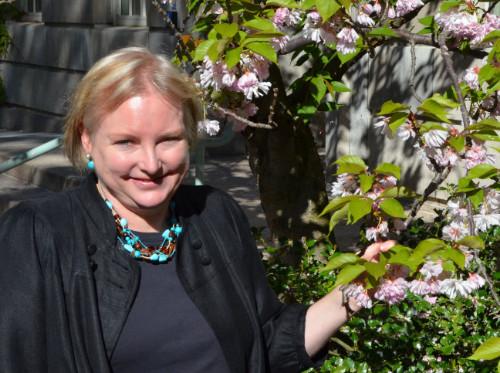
(13, 191)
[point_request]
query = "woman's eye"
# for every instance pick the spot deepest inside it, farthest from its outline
(124, 142)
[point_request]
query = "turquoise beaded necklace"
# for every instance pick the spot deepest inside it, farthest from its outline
(132, 243)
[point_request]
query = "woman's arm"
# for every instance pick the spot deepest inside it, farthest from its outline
(328, 314)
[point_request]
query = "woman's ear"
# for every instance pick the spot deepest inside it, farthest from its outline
(86, 140)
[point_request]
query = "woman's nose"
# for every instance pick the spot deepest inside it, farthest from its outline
(149, 162)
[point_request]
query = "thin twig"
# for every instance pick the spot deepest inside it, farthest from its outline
(453, 75)
(273, 106)
(412, 72)
(176, 32)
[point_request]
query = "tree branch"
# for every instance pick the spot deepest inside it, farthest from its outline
(235, 116)
(412, 72)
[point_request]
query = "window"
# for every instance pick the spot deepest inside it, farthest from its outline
(34, 6)
(131, 13)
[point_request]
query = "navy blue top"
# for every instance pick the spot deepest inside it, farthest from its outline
(164, 331)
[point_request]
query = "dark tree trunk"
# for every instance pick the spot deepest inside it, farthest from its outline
(289, 171)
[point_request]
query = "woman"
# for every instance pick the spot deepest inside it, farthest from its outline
(134, 272)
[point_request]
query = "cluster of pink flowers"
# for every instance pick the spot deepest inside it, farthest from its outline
(248, 78)
(429, 281)
(487, 216)
(461, 24)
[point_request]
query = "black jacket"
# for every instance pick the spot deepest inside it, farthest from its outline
(65, 290)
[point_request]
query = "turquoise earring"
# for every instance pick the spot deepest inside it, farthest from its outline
(90, 163)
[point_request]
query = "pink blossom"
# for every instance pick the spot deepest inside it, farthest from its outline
(431, 269)
(246, 110)
(327, 32)
(476, 155)
(431, 300)
(448, 157)
(484, 221)
(367, 8)
(392, 291)
(312, 26)
(346, 40)
(251, 86)
(472, 77)
(475, 281)
(280, 43)
(371, 234)
(419, 287)
(456, 211)
(391, 13)
(377, 8)
(345, 185)
(436, 138)
(364, 19)
(359, 293)
(209, 126)
(453, 288)
(406, 131)
(384, 124)
(454, 232)
(403, 7)
(280, 16)
(493, 199)
(387, 181)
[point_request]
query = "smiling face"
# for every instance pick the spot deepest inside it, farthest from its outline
(141, 156)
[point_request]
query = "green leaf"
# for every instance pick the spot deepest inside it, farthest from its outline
(449, 4)
(427, 246)
(248, 38)
(474, 242)
(318, 90)
(427, 21)
(338, 216)
(390, 107)
(349, 273)
(485, 124)
(466, 185)
(434, 109)
(476, 197)
(358, 208)
(376, 270)
(337, 203)
(485, 135)
(260, 24)
(398, 254)
(340, 87)
(456, 255)
(383, 31)
(202, 49)
(340, 261)
(350, 164)
(264, 49)
(346, 4)
(327, 8)
(233, 57)
(486, 73)
(482, 171)
(389, 169)
(488, 350)
(308, 4)
(443, 101)
(396, 120)
(366, 182)
(393, 208)
(458, 143)
(284, 3)
(227, 30)
(398, 192)
(492, 36)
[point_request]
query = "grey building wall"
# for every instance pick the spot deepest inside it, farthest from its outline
(51, 52)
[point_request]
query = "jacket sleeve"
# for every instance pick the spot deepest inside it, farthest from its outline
(283, 326)
(27, 315)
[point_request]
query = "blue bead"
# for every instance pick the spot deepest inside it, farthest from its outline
(90, 165)
(128, 248)
(162, 258)
(137, 254)
(153, 257)
(123, 222)
(178, 231)
(166, 233)
(110, 205)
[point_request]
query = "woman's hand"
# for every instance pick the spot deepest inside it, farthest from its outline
(328, 314)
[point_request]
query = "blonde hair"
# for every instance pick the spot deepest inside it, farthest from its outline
(113, 80)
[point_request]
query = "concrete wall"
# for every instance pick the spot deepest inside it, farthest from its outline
(48, 57)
